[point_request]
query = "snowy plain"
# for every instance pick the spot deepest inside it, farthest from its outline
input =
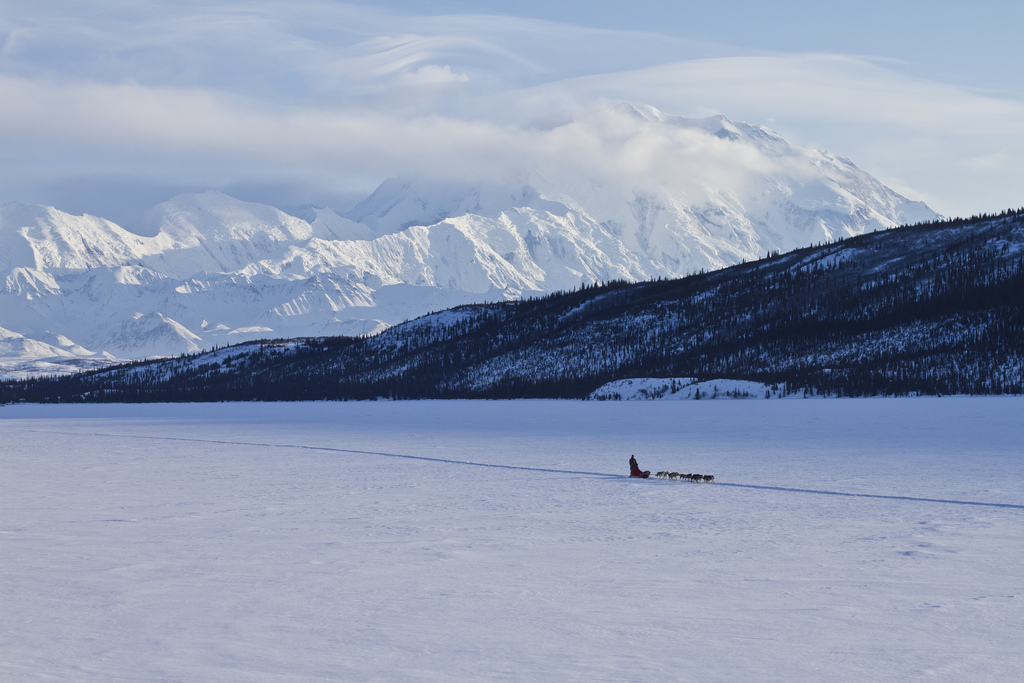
(845, 539)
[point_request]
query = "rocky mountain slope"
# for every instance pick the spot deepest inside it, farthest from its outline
(205, 270)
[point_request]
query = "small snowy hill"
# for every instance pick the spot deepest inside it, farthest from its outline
(206, 269)
(54, 354)
(683, 389)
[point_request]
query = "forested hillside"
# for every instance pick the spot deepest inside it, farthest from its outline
(925, 309)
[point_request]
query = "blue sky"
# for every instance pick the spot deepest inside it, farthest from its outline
(109, 107)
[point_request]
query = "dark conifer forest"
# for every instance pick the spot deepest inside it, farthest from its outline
(927, 309)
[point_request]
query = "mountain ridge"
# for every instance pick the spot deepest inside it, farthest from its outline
(927, 309)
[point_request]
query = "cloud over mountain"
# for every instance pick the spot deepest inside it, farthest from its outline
(622, 191)
(316, 102)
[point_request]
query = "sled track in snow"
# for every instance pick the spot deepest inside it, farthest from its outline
(604, 475)
(875, 495)
(329, 449)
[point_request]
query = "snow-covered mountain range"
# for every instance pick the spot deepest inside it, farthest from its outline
(927, 309)
(205, 269)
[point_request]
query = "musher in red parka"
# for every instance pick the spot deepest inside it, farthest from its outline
(634, 469)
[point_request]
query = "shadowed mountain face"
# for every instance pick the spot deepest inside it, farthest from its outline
(928, 309)
(205, 270)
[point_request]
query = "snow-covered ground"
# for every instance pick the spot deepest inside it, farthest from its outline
(858, 540)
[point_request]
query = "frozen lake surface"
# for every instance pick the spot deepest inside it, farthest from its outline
(857, 540)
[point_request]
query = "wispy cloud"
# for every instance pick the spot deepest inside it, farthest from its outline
(960, 149)
(838, 88)
(332, 94)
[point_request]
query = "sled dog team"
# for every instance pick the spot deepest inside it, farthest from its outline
(675, 476)
(635, 471)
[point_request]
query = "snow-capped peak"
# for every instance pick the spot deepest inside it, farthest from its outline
(215, 216)
(400, 203)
